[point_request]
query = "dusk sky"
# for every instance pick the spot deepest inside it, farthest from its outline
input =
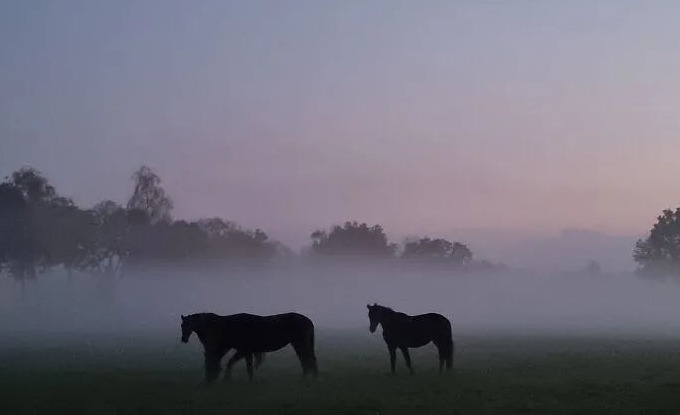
(423, 116)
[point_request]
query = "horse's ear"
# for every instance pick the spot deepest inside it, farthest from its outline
(183, 317)
(375, 304)
(368, 306)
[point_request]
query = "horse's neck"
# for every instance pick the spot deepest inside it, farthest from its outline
(211, 333)
(390, 319)
(204, 333)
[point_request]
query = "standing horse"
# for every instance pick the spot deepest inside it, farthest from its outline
(252, 336)
(403, 331)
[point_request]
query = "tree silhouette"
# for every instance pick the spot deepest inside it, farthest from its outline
(16, 240)
(353, 238)
(65, 232)
(426, 248)
(34, 187)
(437, 249)
(659, 253)
(149, 196)
(109, 245)
(27, 252)
(461, 255)
(228, 240)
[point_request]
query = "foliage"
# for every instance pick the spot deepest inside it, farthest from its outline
(40, 229)
(149, 196)
(659, 254)
(25, 198)
(353, 238)
(34, 187)
(17, 243)
(437, 249)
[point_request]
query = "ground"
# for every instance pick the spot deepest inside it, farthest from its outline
(138, 374)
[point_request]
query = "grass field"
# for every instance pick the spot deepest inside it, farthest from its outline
(493, 375)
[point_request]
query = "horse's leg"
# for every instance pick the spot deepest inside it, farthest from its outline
(393, 357)
(259, 358)
(249, 365)
(407, 358)
(232, 361)
(212, 366)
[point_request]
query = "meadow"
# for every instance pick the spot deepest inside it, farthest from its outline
(494, 374)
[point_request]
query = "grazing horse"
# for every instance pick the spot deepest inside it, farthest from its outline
(252, 336)
(403, 331)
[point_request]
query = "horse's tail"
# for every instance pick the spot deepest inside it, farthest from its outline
(304, 345)
(450, 346)
(312, 353)
(449, 357)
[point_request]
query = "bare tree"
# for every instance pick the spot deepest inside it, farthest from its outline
(149, 196)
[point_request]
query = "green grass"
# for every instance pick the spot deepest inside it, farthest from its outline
(493, 375)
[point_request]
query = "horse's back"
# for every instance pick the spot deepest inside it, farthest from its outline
(284, 320)
(270, 332)
(434, 317)
(292, 317)
(436, 320)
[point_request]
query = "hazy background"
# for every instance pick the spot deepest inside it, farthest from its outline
(497, 123)
(335, 297)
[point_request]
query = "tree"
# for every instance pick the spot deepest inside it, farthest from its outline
(109, 244)
(16, 243)
(65, 232)
(149, 196)
(461, 255)
(437, 249)
(27, 252)
(34, 187)
(659, 253)
(353, 239)
(228, 240)
(426, 248)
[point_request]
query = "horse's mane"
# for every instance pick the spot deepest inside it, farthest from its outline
(201, 315)
(202, 318)
(384, 307)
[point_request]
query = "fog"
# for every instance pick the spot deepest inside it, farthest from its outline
(334, 296)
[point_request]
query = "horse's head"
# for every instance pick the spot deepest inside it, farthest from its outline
(374, 316)
(187, 328)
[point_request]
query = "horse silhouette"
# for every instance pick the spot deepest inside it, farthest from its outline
(252, 336)
(403, 331)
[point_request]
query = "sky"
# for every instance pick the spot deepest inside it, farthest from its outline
(428, 117)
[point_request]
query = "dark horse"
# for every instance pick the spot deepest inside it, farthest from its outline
(251, 336)
(403, 331)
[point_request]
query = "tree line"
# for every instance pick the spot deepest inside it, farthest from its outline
(41, 229)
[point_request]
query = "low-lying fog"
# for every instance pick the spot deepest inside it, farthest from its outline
(336, 297)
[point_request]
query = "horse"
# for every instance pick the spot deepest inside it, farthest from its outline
(403, 331)
(252, 336)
